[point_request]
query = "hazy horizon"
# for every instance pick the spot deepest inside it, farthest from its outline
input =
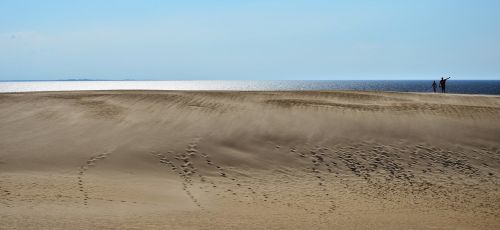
(264, 80)
(258, 40)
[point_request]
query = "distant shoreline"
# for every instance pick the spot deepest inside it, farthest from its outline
(476, 87)
(133, 91)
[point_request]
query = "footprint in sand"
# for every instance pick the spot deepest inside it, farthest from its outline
(5, 196)
(319, 160)
(179, 169)
(183, 165)
(91, 162)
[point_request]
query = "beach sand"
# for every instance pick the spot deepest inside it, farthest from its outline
(249, 160)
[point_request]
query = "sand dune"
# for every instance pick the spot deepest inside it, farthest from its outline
(249, 160)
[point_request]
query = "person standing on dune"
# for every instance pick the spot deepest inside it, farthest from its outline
(442, 84)
(434, 86)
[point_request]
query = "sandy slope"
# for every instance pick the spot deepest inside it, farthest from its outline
(249, 160)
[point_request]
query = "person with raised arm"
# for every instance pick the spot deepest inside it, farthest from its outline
(442, 84)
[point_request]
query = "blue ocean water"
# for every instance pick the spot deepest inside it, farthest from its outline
(491, 87)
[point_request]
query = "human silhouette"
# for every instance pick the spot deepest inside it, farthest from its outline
(442, 84)
(434, 86)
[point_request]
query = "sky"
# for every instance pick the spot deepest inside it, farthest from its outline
(249, 40)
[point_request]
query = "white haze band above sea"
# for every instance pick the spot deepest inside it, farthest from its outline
(491, 87)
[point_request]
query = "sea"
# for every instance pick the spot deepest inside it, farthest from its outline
(489, 87)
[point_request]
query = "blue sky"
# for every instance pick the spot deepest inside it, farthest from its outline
(282, 39)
